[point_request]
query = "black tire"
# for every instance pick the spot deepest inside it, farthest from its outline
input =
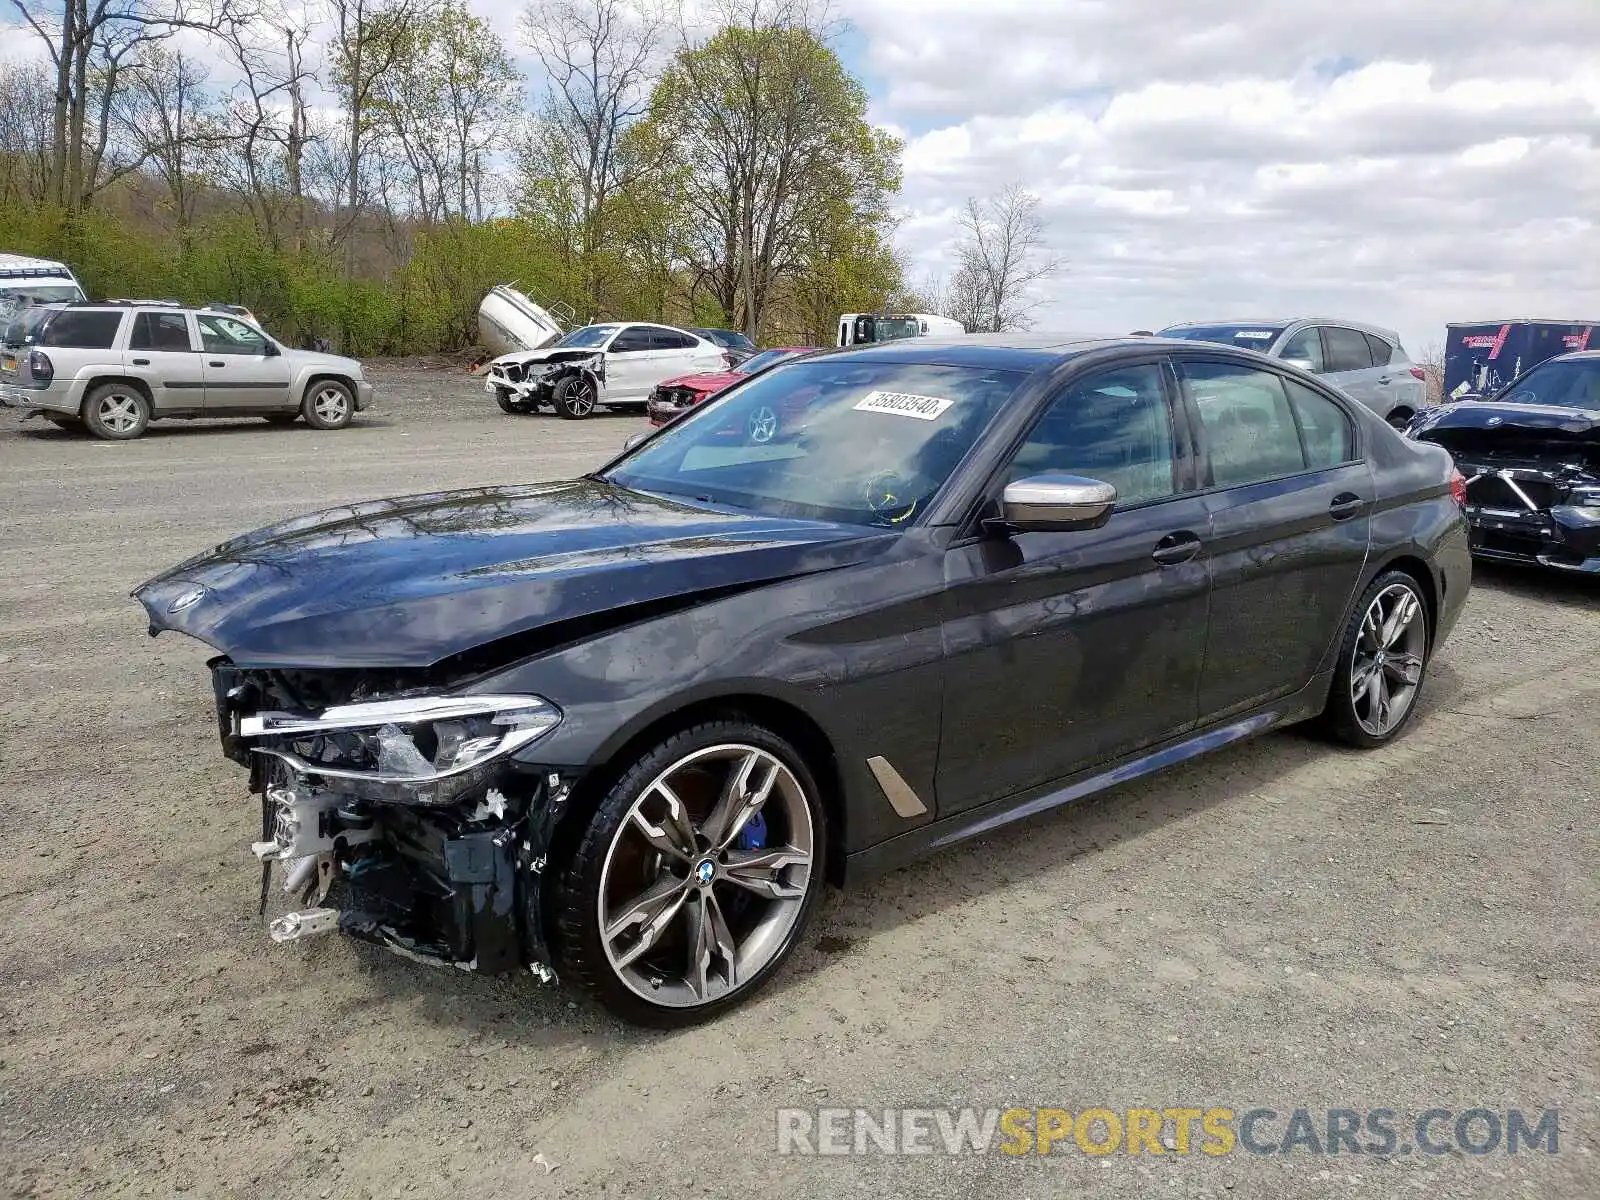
(118, 412)
(283, 418)
(328, 404)
(575, 397)
(1349, 715)
(576, 902)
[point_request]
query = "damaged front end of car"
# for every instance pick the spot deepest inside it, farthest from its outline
(526, 384)
(399, 815)
(1532, 481)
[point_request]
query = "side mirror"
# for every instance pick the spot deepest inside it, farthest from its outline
(1304, 364)
(636, 439)
(1043, 503)
(271, 350)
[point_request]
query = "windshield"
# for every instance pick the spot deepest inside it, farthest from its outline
(1245, 337)
(886, 329)
(763, 360)
(587, 337)
(1571, 384)
(832, 440)
(16, 296)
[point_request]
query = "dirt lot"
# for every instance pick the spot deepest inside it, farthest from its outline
(1281, 926)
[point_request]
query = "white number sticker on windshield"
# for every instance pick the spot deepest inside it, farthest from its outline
(1254, 335)
(904, 404)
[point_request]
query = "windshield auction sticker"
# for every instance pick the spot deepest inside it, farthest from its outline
(904, 404)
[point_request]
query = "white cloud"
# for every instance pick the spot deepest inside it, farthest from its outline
(1407, 164)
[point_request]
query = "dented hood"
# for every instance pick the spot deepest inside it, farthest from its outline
(412, 581)
(1542, 419)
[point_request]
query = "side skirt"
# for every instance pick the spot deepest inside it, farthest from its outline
(938, 835)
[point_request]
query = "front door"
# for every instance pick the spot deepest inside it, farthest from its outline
(628, 364)
(161, 352)
(1066, 649)
(1290, 501)
(243, 370)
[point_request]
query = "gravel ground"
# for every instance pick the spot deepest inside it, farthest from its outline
(1281, 926)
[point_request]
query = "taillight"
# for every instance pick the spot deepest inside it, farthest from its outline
(1458, 487)
(1419, 373)
(41, 368)
(727, 361)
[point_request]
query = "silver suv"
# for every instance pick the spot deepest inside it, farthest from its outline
(1365, 362)
(115, 367)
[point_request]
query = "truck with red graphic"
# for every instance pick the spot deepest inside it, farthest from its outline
(1481, 357)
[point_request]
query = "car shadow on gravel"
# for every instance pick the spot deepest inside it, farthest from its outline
(1539, 583)
(181, 429)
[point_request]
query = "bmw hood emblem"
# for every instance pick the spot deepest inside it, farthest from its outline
(705, 871)
(186, 599)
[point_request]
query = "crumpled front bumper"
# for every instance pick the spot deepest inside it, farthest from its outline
(1527, 514)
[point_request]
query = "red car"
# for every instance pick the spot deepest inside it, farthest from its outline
(672, 396)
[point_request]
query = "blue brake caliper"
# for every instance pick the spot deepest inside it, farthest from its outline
(754, 834)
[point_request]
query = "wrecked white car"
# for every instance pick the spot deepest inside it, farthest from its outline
(616, 365)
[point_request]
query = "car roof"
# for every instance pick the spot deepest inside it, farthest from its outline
(1011, 351)
(1574, 356)
(1282, 322)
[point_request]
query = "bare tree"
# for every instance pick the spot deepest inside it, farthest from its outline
(160, 114)
(600, 57)
(1431, 360)
(26, 105)
(1002, 254)
(91, 44)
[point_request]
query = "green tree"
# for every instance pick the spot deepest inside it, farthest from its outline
(770, 149)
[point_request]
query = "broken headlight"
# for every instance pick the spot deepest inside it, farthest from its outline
(403, 746)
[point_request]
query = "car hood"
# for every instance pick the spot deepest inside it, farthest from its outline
(710, 381)
(413, 581)
(547, 354)
(1489, 415)
(322, 362)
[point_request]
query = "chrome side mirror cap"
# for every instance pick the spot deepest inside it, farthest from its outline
(1042, 503)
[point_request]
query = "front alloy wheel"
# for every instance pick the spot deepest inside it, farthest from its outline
(762, 425)
(328, 405)
(696, 876)
(1383, 658)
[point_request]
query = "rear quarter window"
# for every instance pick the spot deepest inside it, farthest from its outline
(82, 330)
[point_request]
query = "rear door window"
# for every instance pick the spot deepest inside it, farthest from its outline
(160, 331)
(1325, 428)
(670, 339)
(1248, 427)
(77, 330)
(1347, 349)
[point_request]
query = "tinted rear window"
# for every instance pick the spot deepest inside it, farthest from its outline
(1348, 349)
(82, 330)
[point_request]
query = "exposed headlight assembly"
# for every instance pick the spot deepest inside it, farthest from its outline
(411, 750)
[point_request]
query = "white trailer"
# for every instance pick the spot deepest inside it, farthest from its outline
(857, 329)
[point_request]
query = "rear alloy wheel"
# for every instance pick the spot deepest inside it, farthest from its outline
(328, 405)
(575, 397)
(117, 412)
(695, 877)
(761, 426)
(1383, 659)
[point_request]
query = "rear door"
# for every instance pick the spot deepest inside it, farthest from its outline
(1289, 499)
(1068, 648)
(673, 353)
(1398, 389)
(243, 371)
(162, 351)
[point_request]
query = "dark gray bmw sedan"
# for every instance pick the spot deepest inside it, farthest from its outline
(622, 729)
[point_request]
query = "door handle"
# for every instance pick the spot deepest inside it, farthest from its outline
(1384, 378)
(1345, 505)
(1176, 548)
(216, 364)
(141, 362)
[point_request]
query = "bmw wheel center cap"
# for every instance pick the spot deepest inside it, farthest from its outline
(704, 872)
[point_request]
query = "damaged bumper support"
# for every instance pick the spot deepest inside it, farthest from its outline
(405, 822)
(1549, 515)
(534, 383)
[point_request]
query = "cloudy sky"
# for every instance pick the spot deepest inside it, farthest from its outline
(1407, 163)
